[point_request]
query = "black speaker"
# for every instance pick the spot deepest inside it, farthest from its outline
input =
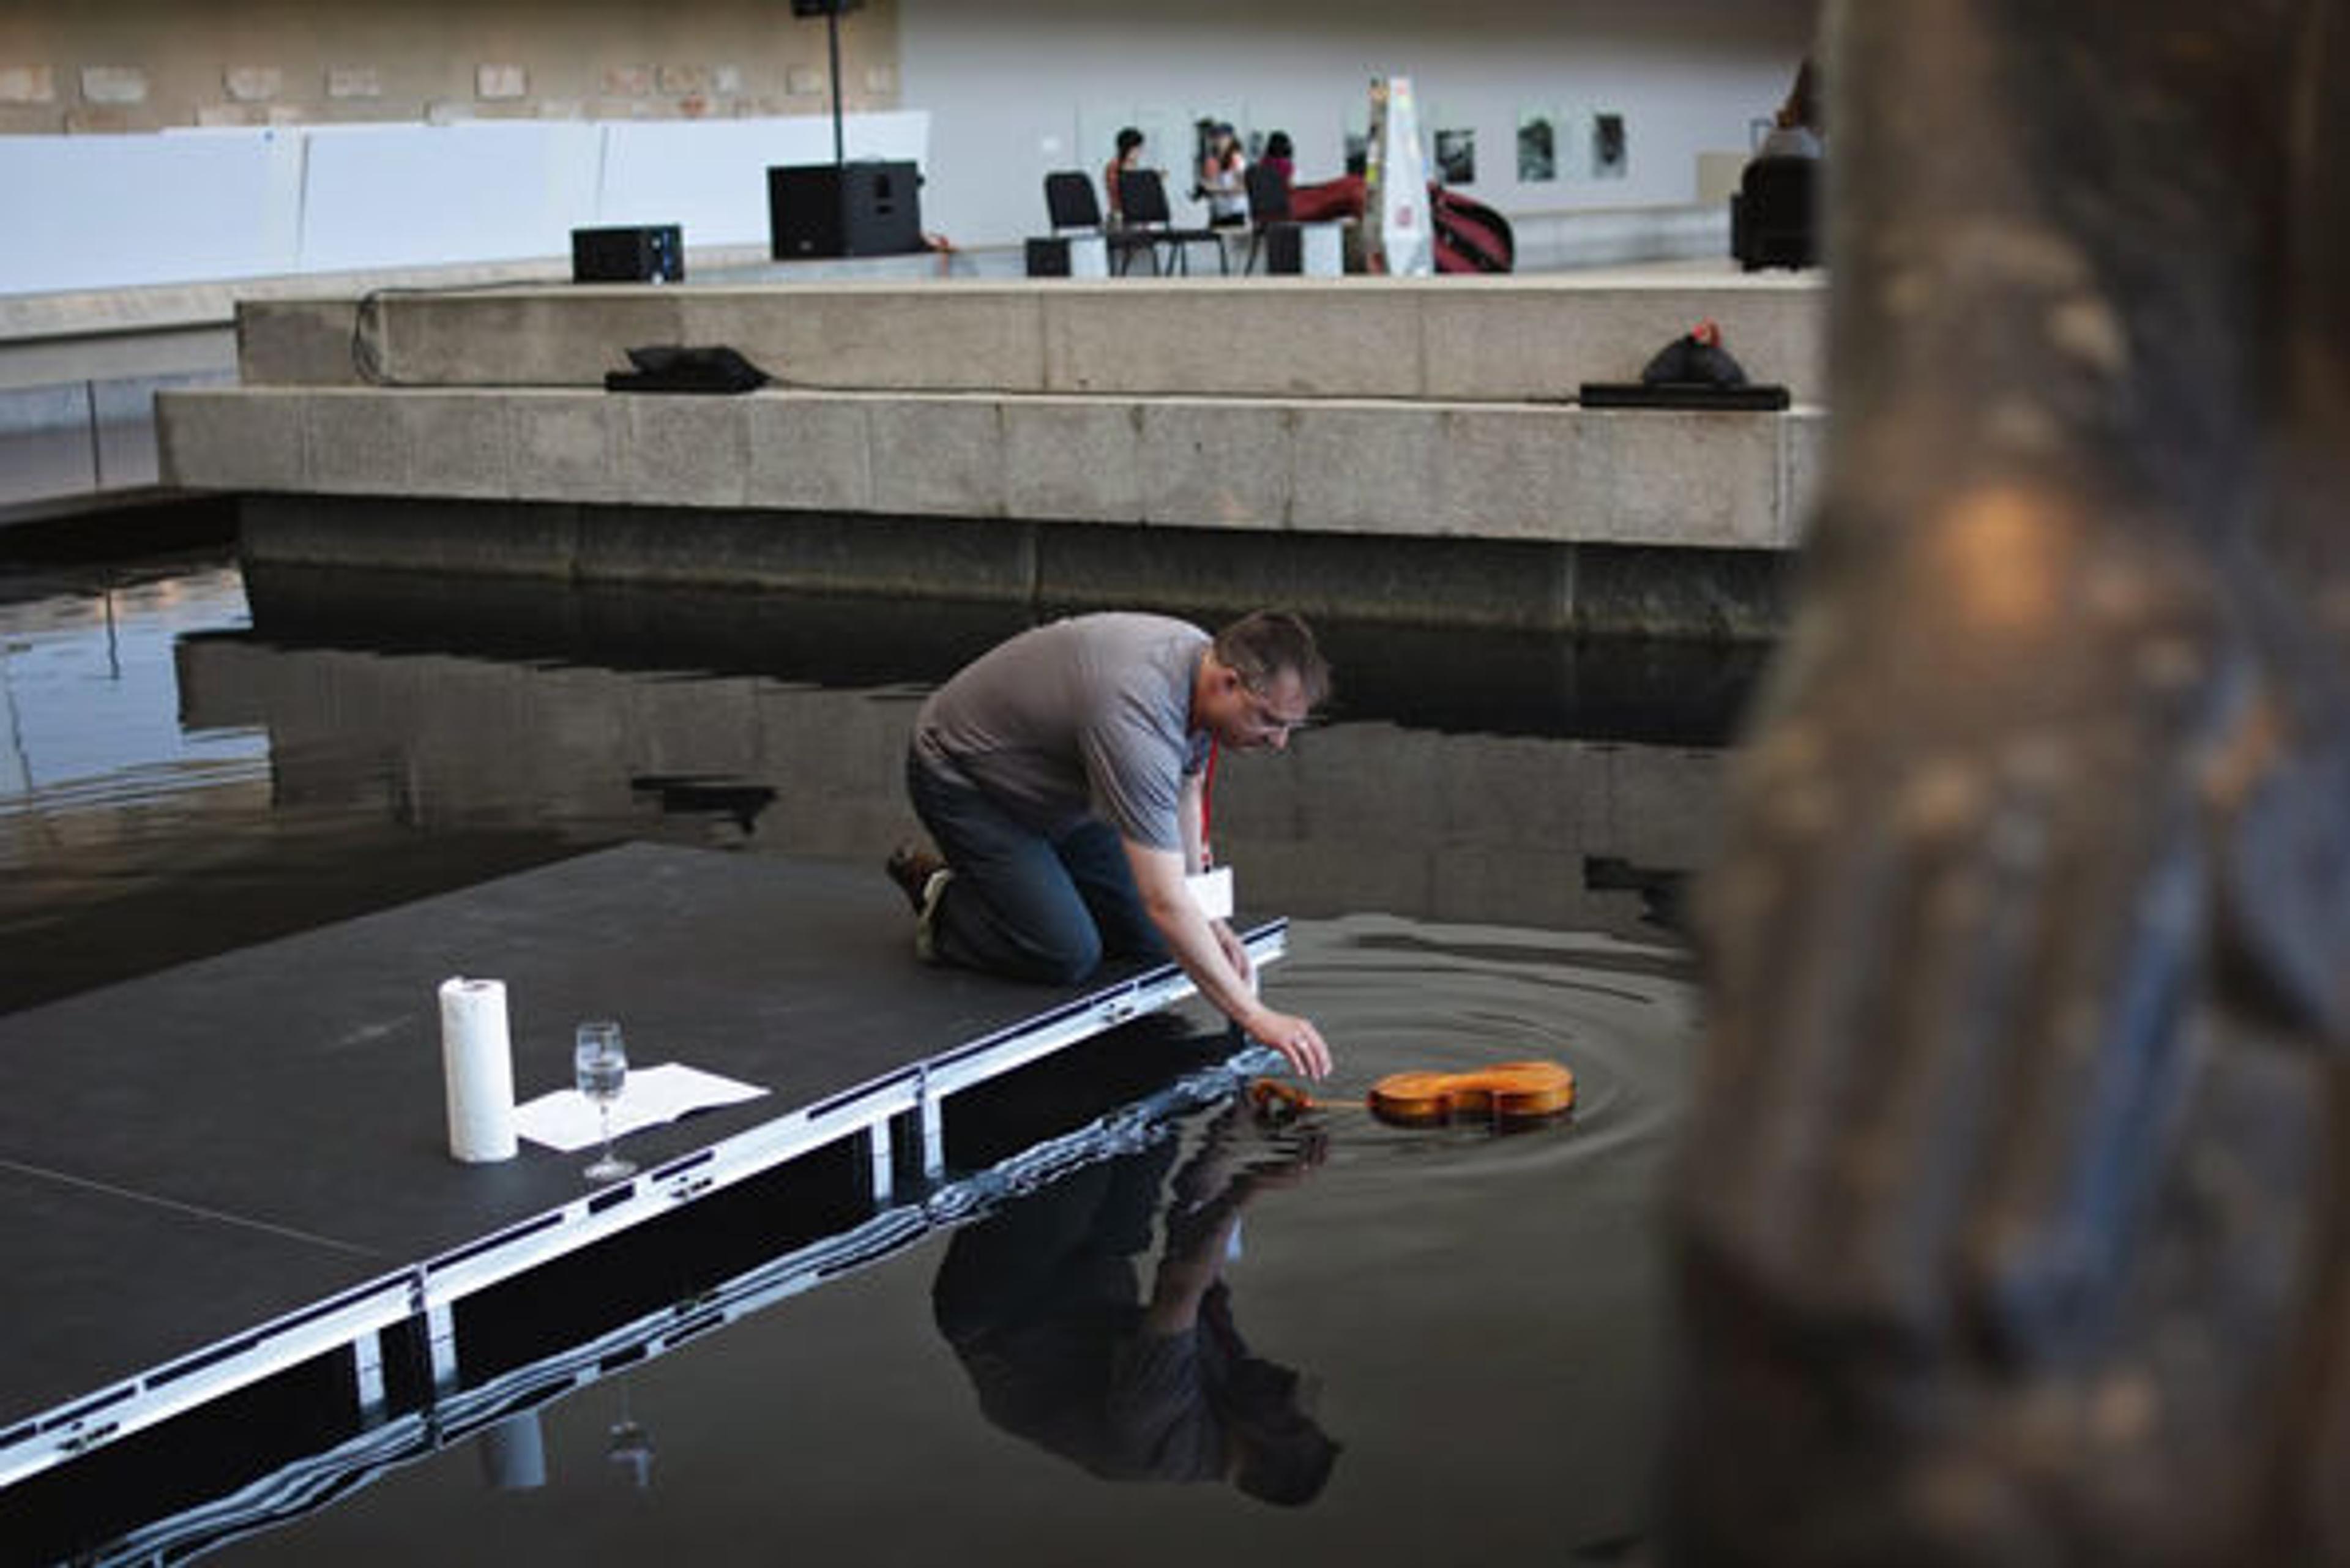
(1048, 258)
(863, 209)
(652, 253)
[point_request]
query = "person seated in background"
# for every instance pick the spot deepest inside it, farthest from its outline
(1129, 156)
(1280, 157)
(1222, 182)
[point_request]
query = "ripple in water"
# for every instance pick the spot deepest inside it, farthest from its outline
(1396, 995)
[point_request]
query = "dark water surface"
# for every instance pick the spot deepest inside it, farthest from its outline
(1482, 852)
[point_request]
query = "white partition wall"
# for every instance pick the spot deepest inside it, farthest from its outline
(413, 195)
(111, 212)
(118, 211)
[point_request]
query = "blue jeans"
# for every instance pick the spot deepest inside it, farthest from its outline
(1022, 903)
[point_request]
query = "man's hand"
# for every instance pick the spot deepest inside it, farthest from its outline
(1294, 1037)
(1212, 956)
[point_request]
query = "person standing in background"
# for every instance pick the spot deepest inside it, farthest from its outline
(1222, 171)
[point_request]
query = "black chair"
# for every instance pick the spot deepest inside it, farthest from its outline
(1268, 200)
(1069, 202)
(1773, 215)
(1142, 196)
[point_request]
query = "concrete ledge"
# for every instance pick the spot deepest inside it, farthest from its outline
(1505, 584)
(1520, 471)
(78, 367)
(1546, 240)
(1501, 339)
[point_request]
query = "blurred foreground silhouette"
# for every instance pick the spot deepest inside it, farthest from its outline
(2015, 1217)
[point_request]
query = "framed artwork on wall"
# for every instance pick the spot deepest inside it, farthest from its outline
(1611, 152)
(1456, 156)
(1537, 145)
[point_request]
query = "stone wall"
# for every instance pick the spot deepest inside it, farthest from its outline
(152, 64)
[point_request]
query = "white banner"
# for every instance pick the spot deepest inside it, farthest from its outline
(1395, 187)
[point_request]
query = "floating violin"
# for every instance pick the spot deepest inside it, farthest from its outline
(1507, 1091)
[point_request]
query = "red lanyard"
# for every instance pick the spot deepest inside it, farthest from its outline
(1207, 803)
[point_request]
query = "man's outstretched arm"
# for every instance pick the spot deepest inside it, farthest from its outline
(1192, 816)
(1158, 878)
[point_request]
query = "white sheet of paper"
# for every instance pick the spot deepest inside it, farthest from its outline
(566, 1119)
(1212, 891)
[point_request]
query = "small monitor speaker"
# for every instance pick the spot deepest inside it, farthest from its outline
(650, 253)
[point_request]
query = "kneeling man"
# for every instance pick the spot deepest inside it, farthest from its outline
(1063, 776)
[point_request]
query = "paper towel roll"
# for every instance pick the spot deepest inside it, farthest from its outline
(477, 1067)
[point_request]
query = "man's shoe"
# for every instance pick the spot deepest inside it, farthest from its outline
(911, 867)
(922, 877)
(926, 915)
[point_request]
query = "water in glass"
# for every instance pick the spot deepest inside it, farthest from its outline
(599, 1062)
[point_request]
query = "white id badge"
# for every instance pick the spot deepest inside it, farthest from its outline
(1212, 891)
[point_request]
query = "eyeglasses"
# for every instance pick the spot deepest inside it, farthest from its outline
(1261, 713)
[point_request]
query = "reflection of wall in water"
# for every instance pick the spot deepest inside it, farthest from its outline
(1357, 816)
(1462, 826)
(476, 743)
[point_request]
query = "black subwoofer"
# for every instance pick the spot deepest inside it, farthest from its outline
(863, 209)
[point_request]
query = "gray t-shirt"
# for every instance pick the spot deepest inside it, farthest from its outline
(1087, 716)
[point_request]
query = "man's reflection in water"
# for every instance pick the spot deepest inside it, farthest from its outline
(1043, 1302)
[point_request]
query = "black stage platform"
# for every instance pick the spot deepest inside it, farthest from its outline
(239, 1167)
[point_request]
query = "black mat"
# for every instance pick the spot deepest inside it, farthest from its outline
(195, 1151)
(102, 1284)
(1680, 395)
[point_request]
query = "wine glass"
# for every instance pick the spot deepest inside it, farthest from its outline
(599, 1062)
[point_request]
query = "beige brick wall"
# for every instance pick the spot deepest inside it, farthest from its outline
(148, 65)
